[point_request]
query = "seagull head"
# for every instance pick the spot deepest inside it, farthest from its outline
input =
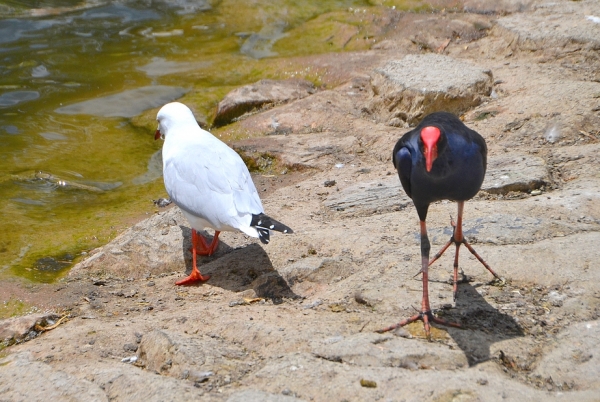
(172, 115)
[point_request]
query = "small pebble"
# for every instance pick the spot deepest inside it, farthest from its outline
(130, 347)
(161, 202)
(368, 383)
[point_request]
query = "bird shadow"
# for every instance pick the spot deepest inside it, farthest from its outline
(238, 269)
(482, 325)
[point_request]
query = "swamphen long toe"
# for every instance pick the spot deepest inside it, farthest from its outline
(440, 159)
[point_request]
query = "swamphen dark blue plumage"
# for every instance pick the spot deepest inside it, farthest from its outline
(440, 159)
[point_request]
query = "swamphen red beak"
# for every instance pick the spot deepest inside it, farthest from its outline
(461, 155)
(430, 136)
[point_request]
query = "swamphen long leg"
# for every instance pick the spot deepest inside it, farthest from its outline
(426, 315)
(458, 239)
(199, 247)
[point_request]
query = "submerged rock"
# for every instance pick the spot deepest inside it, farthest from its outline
(127, 103)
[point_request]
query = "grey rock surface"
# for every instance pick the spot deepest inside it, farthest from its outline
(515, 172)
(372, 197)
(130, 383)
(258, 396)
(194, 358)
(580, 347)
(497, 7)
(24, 379)
(546, 30)
(374, 350)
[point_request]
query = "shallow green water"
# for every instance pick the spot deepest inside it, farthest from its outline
(72, 74)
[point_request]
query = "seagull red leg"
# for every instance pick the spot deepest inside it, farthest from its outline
(214, 244)
(426, 315)
(198, 241)
(202, 247)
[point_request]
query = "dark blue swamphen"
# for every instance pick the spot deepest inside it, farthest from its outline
(440, 159)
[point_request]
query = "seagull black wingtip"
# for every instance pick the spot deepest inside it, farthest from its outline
(264, 224)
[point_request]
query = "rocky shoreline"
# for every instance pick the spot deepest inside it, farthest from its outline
(295, 320)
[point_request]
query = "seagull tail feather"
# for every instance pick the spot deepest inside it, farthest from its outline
(264, 224)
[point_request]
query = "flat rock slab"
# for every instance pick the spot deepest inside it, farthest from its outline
(514, 172)
(259, 396)
(320, 379)
(501, 7)
(370, 198)
(254, 96)
(501, 229)
(557, 27)
(406, 90)
(126, 382)
(575, 359)
(24, 379)
(194, 358)
(372, 350)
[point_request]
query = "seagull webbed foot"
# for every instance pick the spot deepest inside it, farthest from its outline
(194, 277)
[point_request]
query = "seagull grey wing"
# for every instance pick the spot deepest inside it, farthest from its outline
(212, 182)
(187, 180)
(232, 177)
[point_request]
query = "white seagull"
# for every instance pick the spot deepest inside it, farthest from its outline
(210, 183)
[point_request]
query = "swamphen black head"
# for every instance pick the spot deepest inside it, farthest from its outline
(441, 159)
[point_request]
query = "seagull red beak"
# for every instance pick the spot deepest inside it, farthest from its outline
(157, 135)
(430, 137)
